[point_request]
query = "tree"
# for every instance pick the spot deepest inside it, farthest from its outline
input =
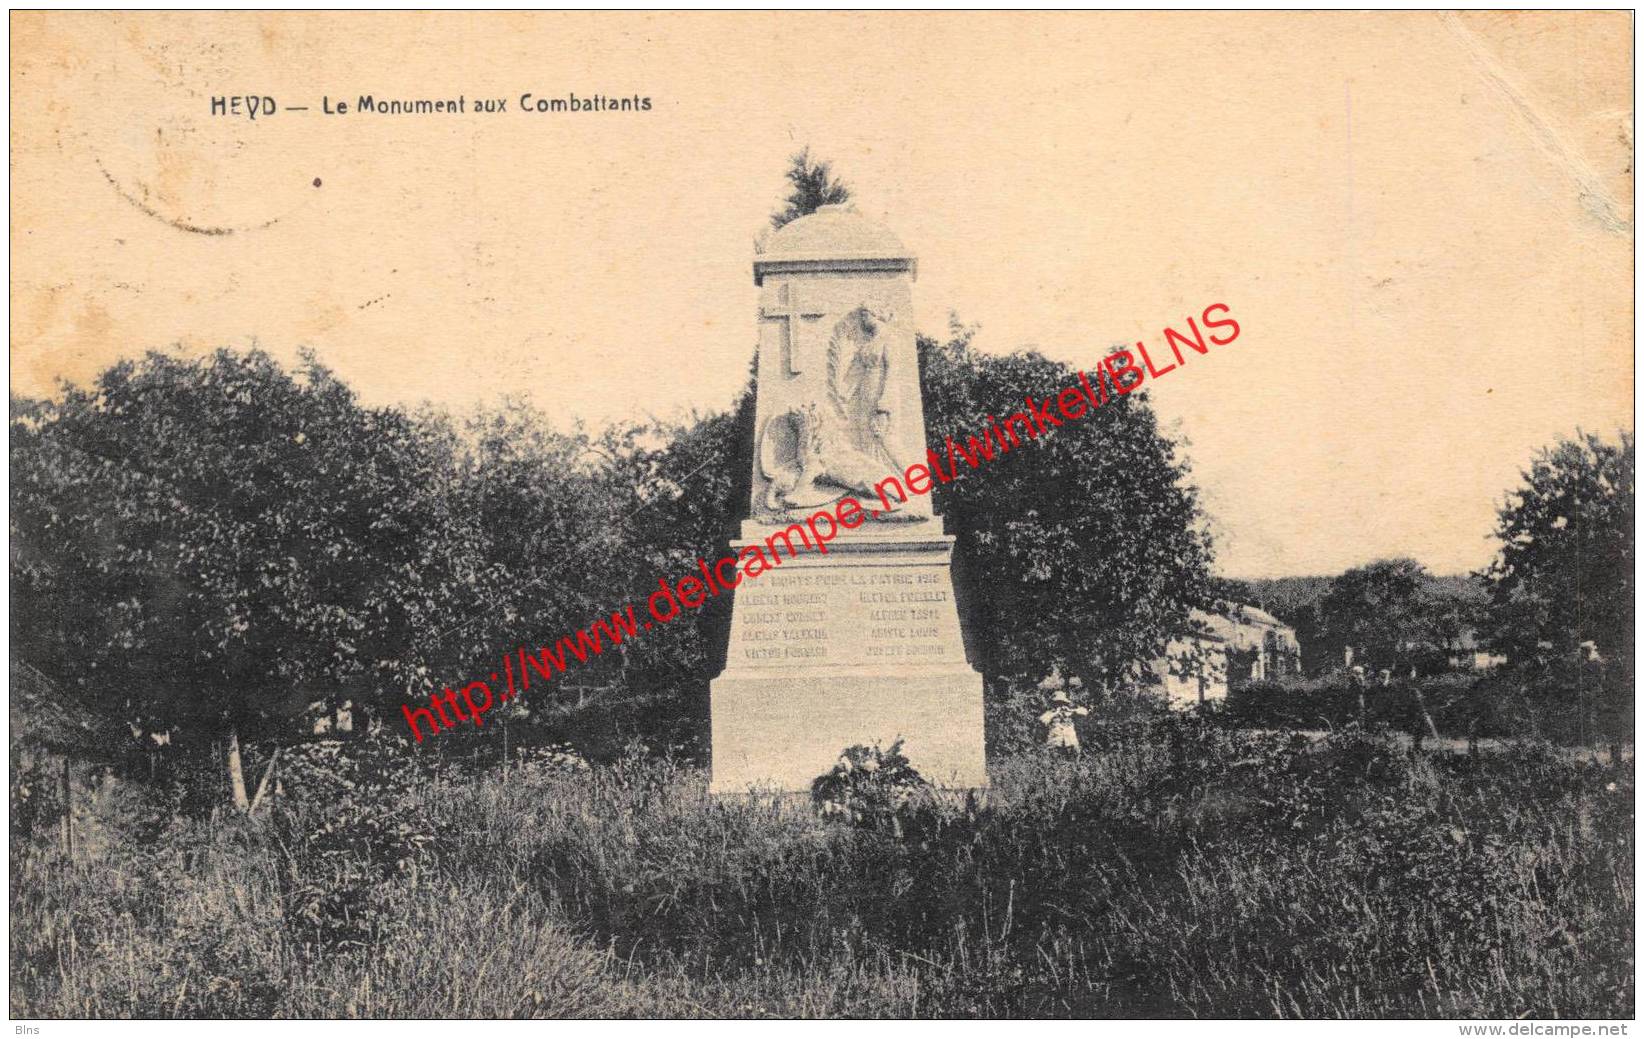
(546, 513)
(813, 186)
(1564, 573)
(1392, 614)
(1083, 548)
(202, 547)
(688, 487)
(1227, 592)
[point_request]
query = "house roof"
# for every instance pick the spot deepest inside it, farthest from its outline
(1256, 615)
(1240, 626)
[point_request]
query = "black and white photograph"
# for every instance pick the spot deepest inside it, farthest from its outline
(795, 515)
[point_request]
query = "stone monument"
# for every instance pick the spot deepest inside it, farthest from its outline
(861, 644)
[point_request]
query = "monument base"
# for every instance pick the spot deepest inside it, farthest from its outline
(858, 646)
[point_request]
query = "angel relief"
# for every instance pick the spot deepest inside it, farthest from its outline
(816, 453)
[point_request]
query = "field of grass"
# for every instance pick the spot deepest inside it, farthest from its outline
(1185, 870)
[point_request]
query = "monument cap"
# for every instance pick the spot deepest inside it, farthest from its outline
(834, 238)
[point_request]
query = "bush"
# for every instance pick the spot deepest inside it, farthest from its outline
(868, 788)
(349, 819)
(1009, 713)
(1569, 703)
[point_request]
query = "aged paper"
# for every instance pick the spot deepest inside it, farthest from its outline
(1251, 695)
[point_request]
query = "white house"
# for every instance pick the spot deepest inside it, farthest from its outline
(1242, 644)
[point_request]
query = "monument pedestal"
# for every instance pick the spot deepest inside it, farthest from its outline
(858, 646)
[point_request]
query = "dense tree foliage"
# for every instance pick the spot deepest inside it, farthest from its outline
(546, 511)
(1082, 548)
(202, 547)
(688, 486)
(1561, 586)
(1564, 574)
(1394, 615)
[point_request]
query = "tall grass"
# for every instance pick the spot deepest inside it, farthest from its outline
(1184, 871)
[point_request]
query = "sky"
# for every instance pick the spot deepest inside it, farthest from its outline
(1423, 222)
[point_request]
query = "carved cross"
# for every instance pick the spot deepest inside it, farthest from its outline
(788, 310)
